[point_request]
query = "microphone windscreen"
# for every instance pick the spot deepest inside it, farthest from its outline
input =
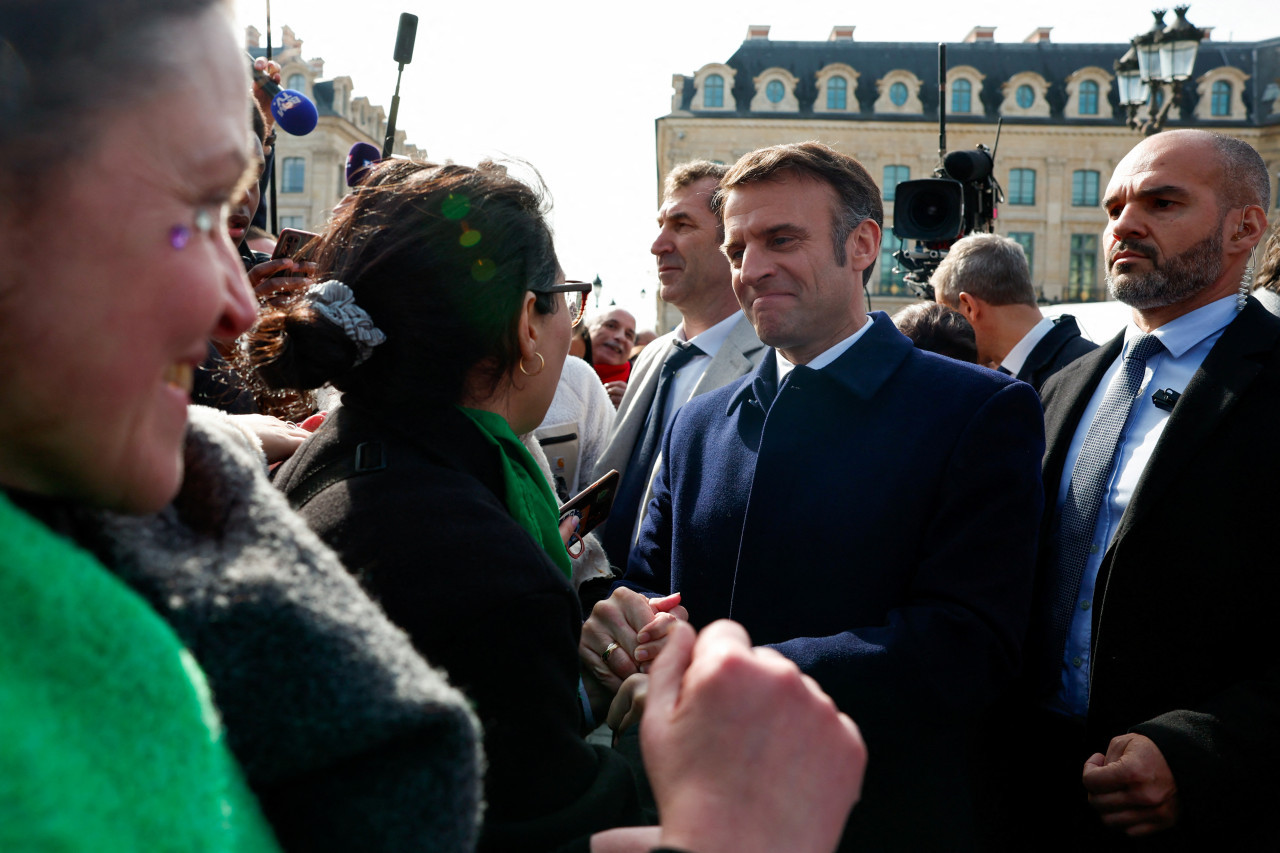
(361, 156)
(294, 112)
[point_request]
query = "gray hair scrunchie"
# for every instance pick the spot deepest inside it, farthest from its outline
(334, 301)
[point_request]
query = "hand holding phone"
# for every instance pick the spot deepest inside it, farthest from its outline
(296, 244)
(592, 507)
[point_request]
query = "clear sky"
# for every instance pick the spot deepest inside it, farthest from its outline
(575, 87)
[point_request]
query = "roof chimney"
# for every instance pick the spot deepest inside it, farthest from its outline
(252, 37)
(978, 34)
(758, 32)
(1039, 34)
(841, 33)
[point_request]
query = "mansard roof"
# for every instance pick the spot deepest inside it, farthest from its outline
(998, 61)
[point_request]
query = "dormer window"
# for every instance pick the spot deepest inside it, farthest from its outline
(964, 83)
(837, 93)
(1024, 96)
(775, 92)
(713, 94)
(836, 85)
(1221, 102)
(899, 93)
(1087, 91)
(1221, 95)
(1088, 98)
(713, 88)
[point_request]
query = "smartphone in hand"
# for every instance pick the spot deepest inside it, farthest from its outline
(296, 244)
(593, 503)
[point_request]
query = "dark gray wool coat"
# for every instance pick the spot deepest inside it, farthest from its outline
(348, 738)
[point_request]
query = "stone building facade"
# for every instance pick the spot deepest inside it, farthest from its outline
(311, 169)
(1062, 130)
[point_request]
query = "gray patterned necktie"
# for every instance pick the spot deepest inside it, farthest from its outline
(1089, 480)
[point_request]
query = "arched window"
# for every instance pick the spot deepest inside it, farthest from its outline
(1221, 104)
(894, 175)
(898, 94)
(837, 93)
(962, 97)
(775, 91)
(1088, 98)
(297, 82)
(1026, 96)
(713, 93)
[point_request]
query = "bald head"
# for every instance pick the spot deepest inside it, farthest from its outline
(613, 333)
(1240, 176)
(1184, 211)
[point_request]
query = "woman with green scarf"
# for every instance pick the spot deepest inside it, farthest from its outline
(443, 317)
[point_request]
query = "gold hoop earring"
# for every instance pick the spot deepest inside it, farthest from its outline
(542, 363)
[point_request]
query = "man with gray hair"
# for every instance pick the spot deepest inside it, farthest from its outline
(986, 278)
(1151, 663)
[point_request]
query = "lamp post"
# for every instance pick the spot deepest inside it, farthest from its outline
(1163, 57)
(596, 287)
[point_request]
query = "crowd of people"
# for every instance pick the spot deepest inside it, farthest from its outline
(283, 566)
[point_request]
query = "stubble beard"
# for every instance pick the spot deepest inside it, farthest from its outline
(1173, 280)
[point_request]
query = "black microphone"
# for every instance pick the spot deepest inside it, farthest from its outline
(1165, 398)
(406, 34)
(405, 37)
(292, 110)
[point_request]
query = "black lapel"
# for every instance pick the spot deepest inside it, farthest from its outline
(1043, 353)
(1213, 391)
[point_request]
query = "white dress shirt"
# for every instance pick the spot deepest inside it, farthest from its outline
(823, 358)
(1018, 355)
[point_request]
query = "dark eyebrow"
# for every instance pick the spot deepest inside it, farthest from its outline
(785, 226)
(1165, 191)
(675, 216)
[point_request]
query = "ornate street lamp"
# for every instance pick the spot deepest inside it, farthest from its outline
(1164, 56)
(596, 287)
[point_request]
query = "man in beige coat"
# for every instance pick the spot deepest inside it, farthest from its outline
(713, 345)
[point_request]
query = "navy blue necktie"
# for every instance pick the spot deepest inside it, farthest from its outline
(635, 482)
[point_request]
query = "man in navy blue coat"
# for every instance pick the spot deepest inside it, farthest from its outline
(872, 515)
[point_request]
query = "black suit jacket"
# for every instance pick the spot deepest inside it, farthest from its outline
(1056, 350)
(1184, 639)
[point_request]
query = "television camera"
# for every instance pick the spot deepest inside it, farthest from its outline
(933, 213)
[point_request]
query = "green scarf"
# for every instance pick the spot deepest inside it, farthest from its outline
(529, 497)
